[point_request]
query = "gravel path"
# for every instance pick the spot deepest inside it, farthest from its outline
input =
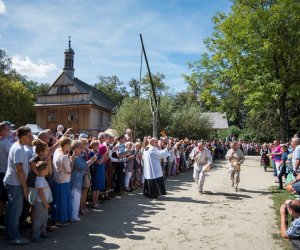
(219, 219)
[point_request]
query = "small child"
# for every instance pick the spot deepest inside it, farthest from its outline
(41, 203)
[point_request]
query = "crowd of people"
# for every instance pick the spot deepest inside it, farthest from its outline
(284, 160)
(52, 179)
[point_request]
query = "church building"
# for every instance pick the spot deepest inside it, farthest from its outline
(73, 103)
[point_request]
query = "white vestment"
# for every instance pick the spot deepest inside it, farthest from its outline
(151, 159)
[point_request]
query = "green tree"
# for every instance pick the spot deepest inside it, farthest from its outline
(187, 122)
(112, 87)
(253, 60)
(184, 98)
(158, 82)
(16, 102)
(184, 122)
(126, 116)
(135, 89)
(36, 88)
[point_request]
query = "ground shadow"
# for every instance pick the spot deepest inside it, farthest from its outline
(183, 199)
(255, 191)
(124, 217)
(230, 196)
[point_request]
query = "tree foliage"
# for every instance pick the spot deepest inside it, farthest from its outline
(253, 61)
(187, 122)
(113, 87)
(17, 94)
(16, 102)
(180, 122)
(158, 82)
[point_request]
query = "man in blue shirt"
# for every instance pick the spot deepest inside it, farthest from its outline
(291, 208)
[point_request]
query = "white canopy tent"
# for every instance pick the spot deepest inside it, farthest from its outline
(35, 129)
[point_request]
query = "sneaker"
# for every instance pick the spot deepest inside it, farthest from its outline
(19, 241)
(76, 219)
(37, 240)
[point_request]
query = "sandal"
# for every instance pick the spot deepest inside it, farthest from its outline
(97, 206)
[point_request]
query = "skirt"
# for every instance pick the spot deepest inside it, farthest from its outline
(154, 187)
(61, 205)
(98, 179)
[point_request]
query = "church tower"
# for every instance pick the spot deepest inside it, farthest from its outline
(69, 61)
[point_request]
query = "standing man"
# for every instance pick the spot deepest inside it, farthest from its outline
(201, 156)
(295, 186)
(5, 145)
(235, 157)
(16, 185)
(154, 185)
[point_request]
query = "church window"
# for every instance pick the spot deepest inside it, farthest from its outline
(51, 117)
(63, 90)
(71, 116)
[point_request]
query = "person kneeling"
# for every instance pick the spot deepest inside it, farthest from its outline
(292, 208)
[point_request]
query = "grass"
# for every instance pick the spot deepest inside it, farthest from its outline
(279, 197)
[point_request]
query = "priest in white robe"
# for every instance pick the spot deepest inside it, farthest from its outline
(154, 184)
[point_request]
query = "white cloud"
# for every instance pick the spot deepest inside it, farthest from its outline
(2, 7)
(27, 67)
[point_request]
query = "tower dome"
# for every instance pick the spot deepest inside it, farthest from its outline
(69, 61)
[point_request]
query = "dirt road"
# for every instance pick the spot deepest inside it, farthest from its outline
(219, 219)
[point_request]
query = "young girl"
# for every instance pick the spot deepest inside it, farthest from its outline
(41, 203)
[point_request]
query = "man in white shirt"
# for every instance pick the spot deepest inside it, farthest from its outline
(201, 156)
(16, 185)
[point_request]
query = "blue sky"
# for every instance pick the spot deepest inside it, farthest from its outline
(105, 36)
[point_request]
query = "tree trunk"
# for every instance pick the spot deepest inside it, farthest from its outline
(282, 117)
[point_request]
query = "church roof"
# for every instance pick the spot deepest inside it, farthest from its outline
(76, 86)
(97, 96)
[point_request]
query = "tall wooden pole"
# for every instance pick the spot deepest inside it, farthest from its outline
(155, 105)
